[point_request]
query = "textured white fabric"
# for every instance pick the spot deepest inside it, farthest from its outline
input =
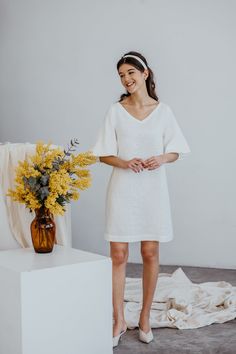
(180, 303)
(15, 218)
(7, 241)
(137, 204)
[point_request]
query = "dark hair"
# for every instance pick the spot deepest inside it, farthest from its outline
(150, 83)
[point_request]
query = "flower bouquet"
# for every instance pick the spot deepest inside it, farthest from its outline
(45, 182)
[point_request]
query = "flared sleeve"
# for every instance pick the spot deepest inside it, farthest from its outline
(106, 143)
(173, 138)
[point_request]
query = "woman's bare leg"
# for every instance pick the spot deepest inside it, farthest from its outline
(150, 256)
(119, 255)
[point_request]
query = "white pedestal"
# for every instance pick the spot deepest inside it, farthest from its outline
(55, 303)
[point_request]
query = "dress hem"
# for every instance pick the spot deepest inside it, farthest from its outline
(116, 238)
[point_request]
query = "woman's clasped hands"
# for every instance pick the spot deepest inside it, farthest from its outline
(138, 164)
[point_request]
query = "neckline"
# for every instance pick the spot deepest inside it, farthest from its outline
(140, 120)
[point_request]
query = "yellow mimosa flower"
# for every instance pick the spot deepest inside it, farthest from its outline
(51, 177)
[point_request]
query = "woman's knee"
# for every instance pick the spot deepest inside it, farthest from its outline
(119, 256)
(149, 252)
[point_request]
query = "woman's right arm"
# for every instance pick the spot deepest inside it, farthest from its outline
(134, 164)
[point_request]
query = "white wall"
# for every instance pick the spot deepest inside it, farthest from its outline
(58, 76)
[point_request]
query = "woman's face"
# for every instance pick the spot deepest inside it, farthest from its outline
(131, 78)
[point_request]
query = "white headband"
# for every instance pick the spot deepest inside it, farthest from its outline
(137, 58)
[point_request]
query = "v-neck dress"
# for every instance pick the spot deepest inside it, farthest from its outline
(137, 204)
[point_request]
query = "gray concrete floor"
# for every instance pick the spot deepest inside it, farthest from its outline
(213, 339)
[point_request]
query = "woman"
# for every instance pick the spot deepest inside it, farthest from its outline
(139, 136)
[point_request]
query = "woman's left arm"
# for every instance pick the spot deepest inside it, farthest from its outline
(156, 161)
(170, 157)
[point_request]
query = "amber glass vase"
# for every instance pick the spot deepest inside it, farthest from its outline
(43, 231)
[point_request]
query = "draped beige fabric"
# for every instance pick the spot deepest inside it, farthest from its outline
(15, 218)
(180, 303)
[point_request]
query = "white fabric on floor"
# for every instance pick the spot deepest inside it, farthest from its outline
(15, 219)
(180, 303)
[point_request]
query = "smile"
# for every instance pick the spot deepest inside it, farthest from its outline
(130, 85)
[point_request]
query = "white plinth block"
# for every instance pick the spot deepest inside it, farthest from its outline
(56, 303)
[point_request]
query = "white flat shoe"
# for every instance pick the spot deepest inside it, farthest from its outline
(145, 337)
(117, 338)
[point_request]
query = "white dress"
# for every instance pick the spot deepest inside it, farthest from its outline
(137, 204)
